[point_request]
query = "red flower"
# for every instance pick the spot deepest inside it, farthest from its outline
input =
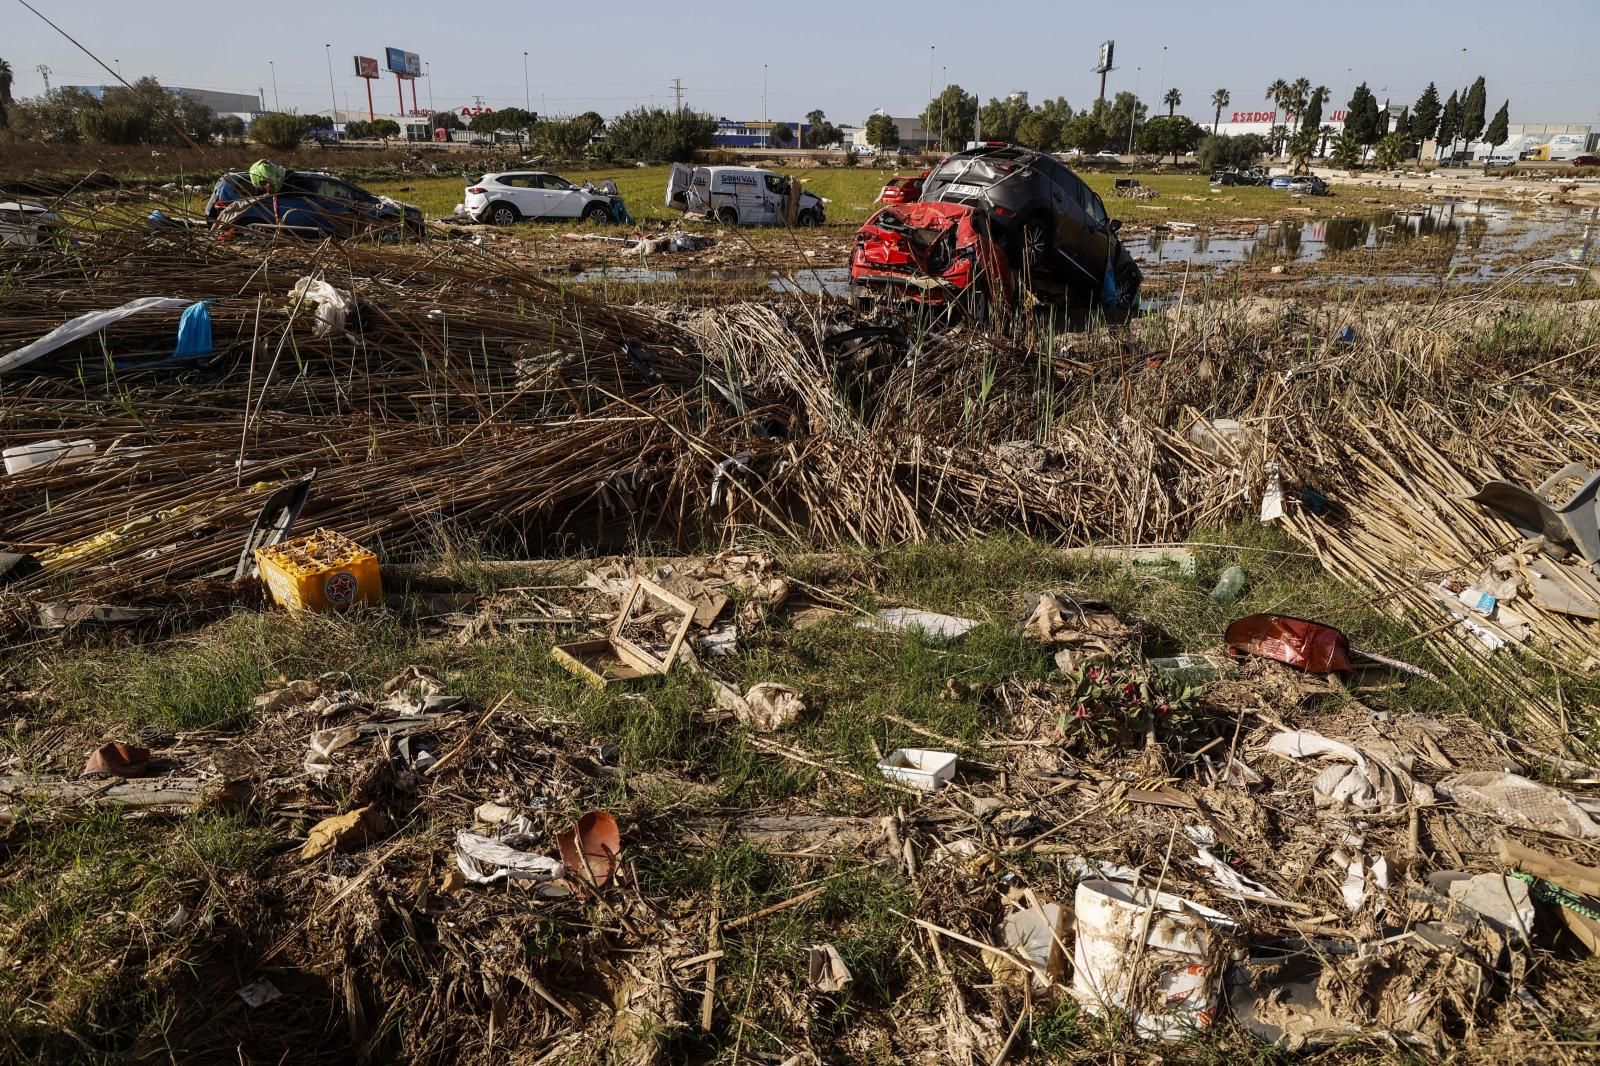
(1165, 709)
(1081, 711)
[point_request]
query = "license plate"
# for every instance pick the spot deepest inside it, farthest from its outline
(959, 189)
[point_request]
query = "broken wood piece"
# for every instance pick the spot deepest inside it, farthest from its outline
(795, 832)
(792, 901)
(1559, 871)
(142, 794)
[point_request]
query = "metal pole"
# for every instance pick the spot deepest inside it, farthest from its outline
(1138, 73)
(1162, 91)
(427, 69)
(333, 99)
(275, 105)
(766, 125)
(1461, 102)
(945, 76)
(527, 97)
(930, 98)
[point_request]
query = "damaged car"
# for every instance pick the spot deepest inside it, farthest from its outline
(743, 196)
(902, 189)
(1052, 228)
(508, 198)
(312, 206)
(941, 254)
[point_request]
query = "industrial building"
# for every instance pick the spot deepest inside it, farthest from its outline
(912, 135)
(242, 104)
(759, 134)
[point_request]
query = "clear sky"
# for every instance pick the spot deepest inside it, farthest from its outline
(847, 58)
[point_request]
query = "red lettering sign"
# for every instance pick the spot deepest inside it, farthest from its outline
(1339, 116)
(1255, 116)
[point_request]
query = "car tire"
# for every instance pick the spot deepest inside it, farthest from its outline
(809, 219)
(1034, 245)
(728, 216)
(597, 213)
(503, 214)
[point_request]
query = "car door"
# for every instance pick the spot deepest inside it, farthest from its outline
(524, 193)
(774, 193)
(562, 198)
(1074, 233)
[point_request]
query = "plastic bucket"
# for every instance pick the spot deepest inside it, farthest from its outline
(1172, 987)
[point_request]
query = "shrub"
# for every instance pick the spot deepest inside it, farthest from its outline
(277, 130)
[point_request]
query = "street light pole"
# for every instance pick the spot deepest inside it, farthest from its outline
(275, 105)
(930, 101)
(1162, 91)
(333, 98)
(427, 70)
(527, 97)
(1461, 102)
(766, 126)
(945, 77)
(1138, 72)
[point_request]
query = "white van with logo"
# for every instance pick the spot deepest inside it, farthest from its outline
(743, 196)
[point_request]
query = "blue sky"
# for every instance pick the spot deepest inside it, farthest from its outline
(847, 58)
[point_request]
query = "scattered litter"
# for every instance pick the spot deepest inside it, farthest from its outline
(1309, 646)
(919, 768)
(928, 623)
(1181, 670)
(1229, 585)
(85, 325)
(21, 457)
(506, 856)
(1136, 946)
(321, 572)
(344, 832)
(591, 848)
(259, 993)
(827, 968)
(1174, 560)
(643, 640)
(1499, 898)
(769, 706)
(1222, 874)
(331, 306)
(1361, 780)
(1517, 801)
(118, 760)
(493, 814)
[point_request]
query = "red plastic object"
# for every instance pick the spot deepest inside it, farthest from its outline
(1305, 645)
(601, 841)
(122, 760)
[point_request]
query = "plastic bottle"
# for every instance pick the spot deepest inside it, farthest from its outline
(1189, 669)
(1229, 585)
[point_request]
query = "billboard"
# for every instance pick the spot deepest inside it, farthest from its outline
(405, 64)
(366, 67)
(1103, 58)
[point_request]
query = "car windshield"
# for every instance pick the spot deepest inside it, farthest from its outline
(553, 182)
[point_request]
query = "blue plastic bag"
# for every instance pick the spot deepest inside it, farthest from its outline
(194, 331)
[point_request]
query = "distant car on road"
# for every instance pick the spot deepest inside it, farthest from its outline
(902, 190)
(1309, 185)
(1501, 161)
(512, 196)
(1229, 177)
(1106, 154)
(1584, 161)
(313, 206)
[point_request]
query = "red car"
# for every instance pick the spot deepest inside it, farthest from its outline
(1581, 161)
(901, 190)
(933, 253)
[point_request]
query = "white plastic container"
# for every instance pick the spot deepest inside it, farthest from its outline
(1174, 986)
(20, 457)
(919, 768)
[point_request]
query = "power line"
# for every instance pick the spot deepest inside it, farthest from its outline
(677, 93)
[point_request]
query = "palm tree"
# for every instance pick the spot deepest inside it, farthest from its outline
(1172, 100)
(1325, 132)
(1298, 92)
(1277, 92)
(1219, 100)
(5, 92)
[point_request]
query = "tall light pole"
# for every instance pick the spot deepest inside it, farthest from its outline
(1138, 72)
(44, 72)
(527, 97)
(275, 105)
(1461, 101)
(1162, 91)
(766, 126)
(118, 62)
(944, 75)
(930, 98)
(427, 72)
(333, 99)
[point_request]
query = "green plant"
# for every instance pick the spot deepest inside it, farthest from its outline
(1119, 705)
(277, 130)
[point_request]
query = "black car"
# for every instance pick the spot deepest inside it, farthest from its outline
(312, 205)
(1052, 227)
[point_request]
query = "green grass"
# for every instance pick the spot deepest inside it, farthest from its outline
(853, 190)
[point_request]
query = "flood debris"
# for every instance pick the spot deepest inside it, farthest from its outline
(827, 970)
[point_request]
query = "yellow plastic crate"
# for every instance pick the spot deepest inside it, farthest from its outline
(324, 571)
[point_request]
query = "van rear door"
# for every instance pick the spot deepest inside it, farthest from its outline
(678, 186)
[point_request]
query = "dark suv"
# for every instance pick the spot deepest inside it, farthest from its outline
(311, 205)
(1053, 228)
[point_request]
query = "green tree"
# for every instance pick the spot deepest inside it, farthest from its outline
(52, 119)
(385, 128)
(1312, 119)
(1402, 126)
(954, 112)
(1277, 93)
(1450, 122)
(1362, 119)
(672, 136)
(230, 128)
(277, 130)
(1231, 153)
(882, 132)
(1392, 148)
(1219, 100)
(444, 120)
(563, 137)
(781, 135)
(1425, 115)
(357, 130)
(822, 132)
(1001, 118)
(1301, 145)
(1299, 95)
(1085, 133)
(1348, 150)
(1472, 110)
(1044, 127)
(1170, 133)
(1121, 118)
(1172, 99)
(1324, 133)
(1499, 130)
(5, 93)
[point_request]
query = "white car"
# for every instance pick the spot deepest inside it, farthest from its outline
(512, 196)
(26, 224)
(1107, 154)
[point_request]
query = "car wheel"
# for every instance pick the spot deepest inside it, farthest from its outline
(503, 214)
(728, 216)
(1035, 245)
(597, 213)
(809, 219)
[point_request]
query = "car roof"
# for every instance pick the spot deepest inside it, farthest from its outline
(519, 173)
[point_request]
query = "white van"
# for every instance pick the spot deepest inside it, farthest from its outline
(742, 196)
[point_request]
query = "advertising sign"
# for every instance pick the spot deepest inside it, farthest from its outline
(1103, 59)
(406, 64)
(366, 67)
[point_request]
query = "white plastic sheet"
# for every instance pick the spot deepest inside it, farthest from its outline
(85, 326)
